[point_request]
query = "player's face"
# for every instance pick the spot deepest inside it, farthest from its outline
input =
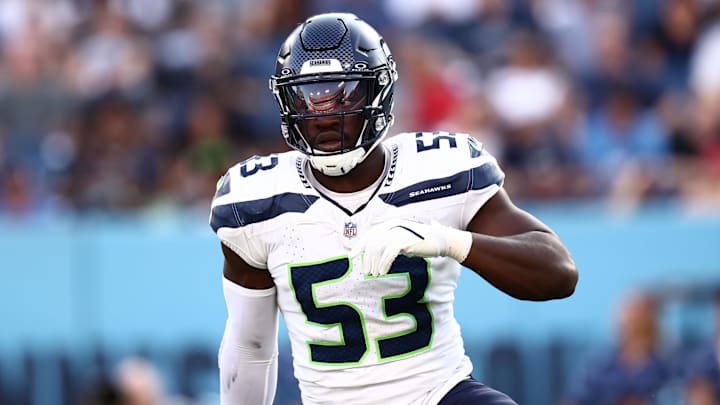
(332, 113)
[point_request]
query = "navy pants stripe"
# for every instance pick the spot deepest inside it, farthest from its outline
(472, 392)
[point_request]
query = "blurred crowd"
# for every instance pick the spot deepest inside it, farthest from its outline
(126, 105)
(647, 363)
(665, 350)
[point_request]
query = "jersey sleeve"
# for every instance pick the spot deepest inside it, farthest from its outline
(451, 172)
(486, 179)
(228, 218)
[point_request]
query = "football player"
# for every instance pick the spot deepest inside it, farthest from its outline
(359, 238)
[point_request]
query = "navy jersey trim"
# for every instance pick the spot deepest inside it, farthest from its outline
(475, 179)
(485, 175)
(239, 214)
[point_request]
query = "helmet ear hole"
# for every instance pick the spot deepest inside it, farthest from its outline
(380, 123)
(383, 78)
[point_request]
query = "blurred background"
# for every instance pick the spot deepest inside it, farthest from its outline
(118, 116)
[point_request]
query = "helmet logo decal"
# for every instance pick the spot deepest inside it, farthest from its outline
(318, 62)
(321, 66)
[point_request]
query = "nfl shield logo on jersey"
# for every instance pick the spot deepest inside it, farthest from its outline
(350, 230)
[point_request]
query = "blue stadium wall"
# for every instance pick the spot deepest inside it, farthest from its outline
(78, 295)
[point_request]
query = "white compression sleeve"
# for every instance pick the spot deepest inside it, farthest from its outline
(248, 352)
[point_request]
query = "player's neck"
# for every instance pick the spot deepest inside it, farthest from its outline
(359, 178)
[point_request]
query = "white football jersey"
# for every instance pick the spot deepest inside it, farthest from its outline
(358, 339)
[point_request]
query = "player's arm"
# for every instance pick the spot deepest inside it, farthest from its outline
(518, 254)
(248, 353)
(239, 272)
(507, 246)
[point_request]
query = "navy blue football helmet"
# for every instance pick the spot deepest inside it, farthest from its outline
(335, 65)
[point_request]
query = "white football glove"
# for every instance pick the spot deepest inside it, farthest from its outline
(385, 242)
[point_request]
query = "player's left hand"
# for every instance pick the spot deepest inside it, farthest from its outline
(385, 242)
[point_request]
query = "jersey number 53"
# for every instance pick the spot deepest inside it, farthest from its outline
(354, 344)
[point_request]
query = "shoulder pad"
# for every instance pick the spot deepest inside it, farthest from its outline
(258, 189)
(441, 164)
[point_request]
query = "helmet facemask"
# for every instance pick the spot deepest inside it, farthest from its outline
(318, 113)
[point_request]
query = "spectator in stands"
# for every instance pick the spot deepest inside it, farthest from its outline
(625, 147)
(58, 58)
(636, 369)
(530, 96)
(702, 368)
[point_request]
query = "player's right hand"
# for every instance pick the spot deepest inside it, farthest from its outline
(382, 244)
